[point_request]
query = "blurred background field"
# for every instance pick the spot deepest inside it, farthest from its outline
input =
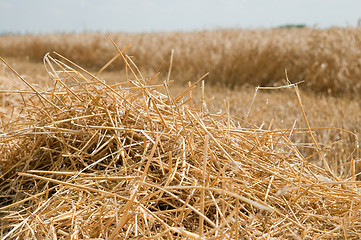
(327, 60)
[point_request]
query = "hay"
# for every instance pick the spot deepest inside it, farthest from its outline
(90, 160)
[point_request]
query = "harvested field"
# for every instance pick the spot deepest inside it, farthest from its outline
(122, 155)
(327, 60)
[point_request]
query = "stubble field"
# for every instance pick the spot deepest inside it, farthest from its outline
(321, 118)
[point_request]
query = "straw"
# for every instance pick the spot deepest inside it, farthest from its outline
(92, 160)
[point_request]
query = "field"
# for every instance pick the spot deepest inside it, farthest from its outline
(245, 109)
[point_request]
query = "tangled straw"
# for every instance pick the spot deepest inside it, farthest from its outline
(91, 160)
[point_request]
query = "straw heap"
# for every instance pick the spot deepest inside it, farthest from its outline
(92, 160)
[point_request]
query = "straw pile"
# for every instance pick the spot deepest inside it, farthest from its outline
(131, 161)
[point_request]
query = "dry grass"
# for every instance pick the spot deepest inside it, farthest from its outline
(92, 159)
(327, 60)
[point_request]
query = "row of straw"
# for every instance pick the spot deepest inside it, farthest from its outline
(85, 159)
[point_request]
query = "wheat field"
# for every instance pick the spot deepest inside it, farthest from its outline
(185, 135)
(327, 60)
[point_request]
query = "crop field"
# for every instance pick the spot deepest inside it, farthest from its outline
(224, 134)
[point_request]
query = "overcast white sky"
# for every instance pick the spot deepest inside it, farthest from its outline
(43, 16)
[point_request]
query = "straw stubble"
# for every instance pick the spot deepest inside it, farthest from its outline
(91, 160)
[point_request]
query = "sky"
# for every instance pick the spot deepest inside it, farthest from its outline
(49, 16)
